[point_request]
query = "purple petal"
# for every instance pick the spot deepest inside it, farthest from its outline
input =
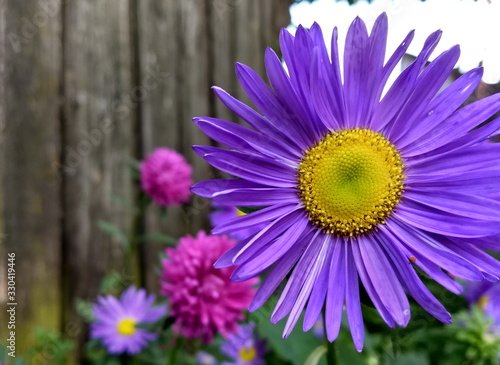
(466, 159)
(426, 87)
(483, 261)
(292, 222)
(457, 125)
(482, 182)
(297, 279)
(299, 117)
(253, 168)
(423, 244)
(487, 243)
(318, 294)
(356, 72)
(402, 88)
(353, 303)
(227, 258)
(368, 285)
(325, 98)
(384, 280)
(408, 277)
(244, 139)
(208, 188)
(336, 290)
(255, 218)
(256, 197)
(323, 256)
(286, 263)
(375, 54)
(260, 261)
(436, 221)
(479, 135)
(269, 104)
(442, 106)
(457, 203)
(387, 70)
(257, 121)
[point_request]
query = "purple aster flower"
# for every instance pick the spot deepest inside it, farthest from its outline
(357, 185)
(487, 296)
(204, 358)
(244, 347)
(116, 320)
(319, 328)
(474, 290)
(224, 213)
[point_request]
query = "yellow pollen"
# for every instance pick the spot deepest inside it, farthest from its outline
(483, 301)
(248, 354)
(126, 327)
(351, 181)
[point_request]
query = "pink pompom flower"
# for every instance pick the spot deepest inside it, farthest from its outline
(166, 177)
(203, 299)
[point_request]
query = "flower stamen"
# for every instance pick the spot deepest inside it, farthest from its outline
(126, 327)
(351, 181)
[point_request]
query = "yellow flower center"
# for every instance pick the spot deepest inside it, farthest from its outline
(351, 181)
(126, 327)
(248, 354)
(483, 301)
(239, 213)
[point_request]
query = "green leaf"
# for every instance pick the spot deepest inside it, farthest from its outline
(296, 347)
(84, 309)
(113, 231)
(410, 359)
(316, 355)
(163, 215)
(248, 210)
(123, 202)
(113, 283)
(160, 238)
(135, 169)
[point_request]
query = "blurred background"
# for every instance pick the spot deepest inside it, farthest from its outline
(86, 87)
(89, 86)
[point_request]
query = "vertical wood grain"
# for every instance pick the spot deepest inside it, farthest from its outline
(98, 124)
(84, 87)
(31, 209)
(160, 122)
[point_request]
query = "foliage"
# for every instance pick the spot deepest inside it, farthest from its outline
(50, 348)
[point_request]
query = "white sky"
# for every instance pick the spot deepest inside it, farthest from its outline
(475, 25)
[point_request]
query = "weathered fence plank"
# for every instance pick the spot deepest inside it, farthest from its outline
(195, 45)
(31, 68)
(85, 86)
(97, 128)
(160, 122)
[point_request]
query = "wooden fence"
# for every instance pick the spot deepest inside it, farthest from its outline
(84, 86)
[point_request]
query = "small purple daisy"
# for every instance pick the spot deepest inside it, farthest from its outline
(487, 297)
(319, 328)
(204, 358)
(244, 347)
(116, 321)
(359, 188)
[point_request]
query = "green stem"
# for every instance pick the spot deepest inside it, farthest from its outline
(133, 257)
(177, 343)
(331, 350)
(331, 353)
(125, 359)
